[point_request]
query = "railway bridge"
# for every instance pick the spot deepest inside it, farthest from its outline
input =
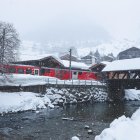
(121, 75)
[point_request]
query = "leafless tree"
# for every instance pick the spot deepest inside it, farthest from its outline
(9, 43)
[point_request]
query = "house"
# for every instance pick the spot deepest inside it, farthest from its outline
(132, 52)
(67, 57)
(97, 68)
(42, 61)
(108, 58)
(52, 61)
(88, 59)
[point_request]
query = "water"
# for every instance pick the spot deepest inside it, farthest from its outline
(47, 124)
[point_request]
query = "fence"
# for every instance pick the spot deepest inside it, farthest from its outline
(51, 81)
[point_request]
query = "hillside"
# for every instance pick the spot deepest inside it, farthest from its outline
(83, 47)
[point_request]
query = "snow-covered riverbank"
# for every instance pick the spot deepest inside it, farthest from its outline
(21, 101)
(124, 128)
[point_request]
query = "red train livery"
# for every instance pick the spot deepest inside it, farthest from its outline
(63, 74)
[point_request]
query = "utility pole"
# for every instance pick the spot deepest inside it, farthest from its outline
(70, 64)
(3, 47)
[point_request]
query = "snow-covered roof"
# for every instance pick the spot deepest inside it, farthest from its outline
(65, 63)
(75, 64)
(37, 57)
(105, 62)
(123, 65)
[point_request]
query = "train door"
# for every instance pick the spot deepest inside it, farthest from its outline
(36, 71)
(74, 75)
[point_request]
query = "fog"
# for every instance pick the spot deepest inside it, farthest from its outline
(45, 20)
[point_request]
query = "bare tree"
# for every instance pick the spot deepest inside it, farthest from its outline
(9, 43)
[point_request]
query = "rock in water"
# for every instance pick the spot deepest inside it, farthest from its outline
(90, 132)
(75, 138)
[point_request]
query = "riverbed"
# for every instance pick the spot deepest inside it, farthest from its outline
(62, 123)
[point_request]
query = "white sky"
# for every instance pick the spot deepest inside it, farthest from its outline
(41, 20)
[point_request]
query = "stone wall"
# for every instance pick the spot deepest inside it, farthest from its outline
(60, 96)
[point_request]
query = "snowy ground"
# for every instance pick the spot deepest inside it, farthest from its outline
(124, 128)
(21, 79)
(21, 101)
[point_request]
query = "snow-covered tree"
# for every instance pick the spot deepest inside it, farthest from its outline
(9, 43)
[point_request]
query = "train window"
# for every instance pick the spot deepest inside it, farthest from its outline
(75, 73)
(47, 70)
(12, 70)
(20, 70)
(80, 73)
(28, 71)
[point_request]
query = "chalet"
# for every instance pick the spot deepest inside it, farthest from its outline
(108, 58)
(51, 61)
(67, 57)
(129, 53)
(48, 61)
(97, 68)
(88, 59)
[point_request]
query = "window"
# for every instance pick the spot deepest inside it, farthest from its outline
(36, 72)
(28, 71)
(20, 70)
(75, 73)
(12, 70)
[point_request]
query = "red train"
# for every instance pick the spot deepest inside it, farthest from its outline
(63, 74)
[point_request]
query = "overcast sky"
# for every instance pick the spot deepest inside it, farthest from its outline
(44, 20)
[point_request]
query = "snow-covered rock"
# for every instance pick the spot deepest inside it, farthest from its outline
(132, 94)
(75, 138)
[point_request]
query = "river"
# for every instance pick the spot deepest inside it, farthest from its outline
(51, 124)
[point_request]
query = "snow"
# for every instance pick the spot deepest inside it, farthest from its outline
(125, 64)
(132, 94)
(75, 138)
(122, 128)
(26, 80)
(21, 101)
(105, 62)
(75, 64)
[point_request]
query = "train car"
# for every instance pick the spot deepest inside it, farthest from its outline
(65, 74)
(21, 69)
(62, 74)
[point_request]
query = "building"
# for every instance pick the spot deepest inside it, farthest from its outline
(51, 61)
(67, 57)
(132, 52)
(88, 59)
(97, 68)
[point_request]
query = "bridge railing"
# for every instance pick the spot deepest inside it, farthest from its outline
(73, 82)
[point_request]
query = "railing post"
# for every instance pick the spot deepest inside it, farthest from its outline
(48, 80)
(56, 81)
